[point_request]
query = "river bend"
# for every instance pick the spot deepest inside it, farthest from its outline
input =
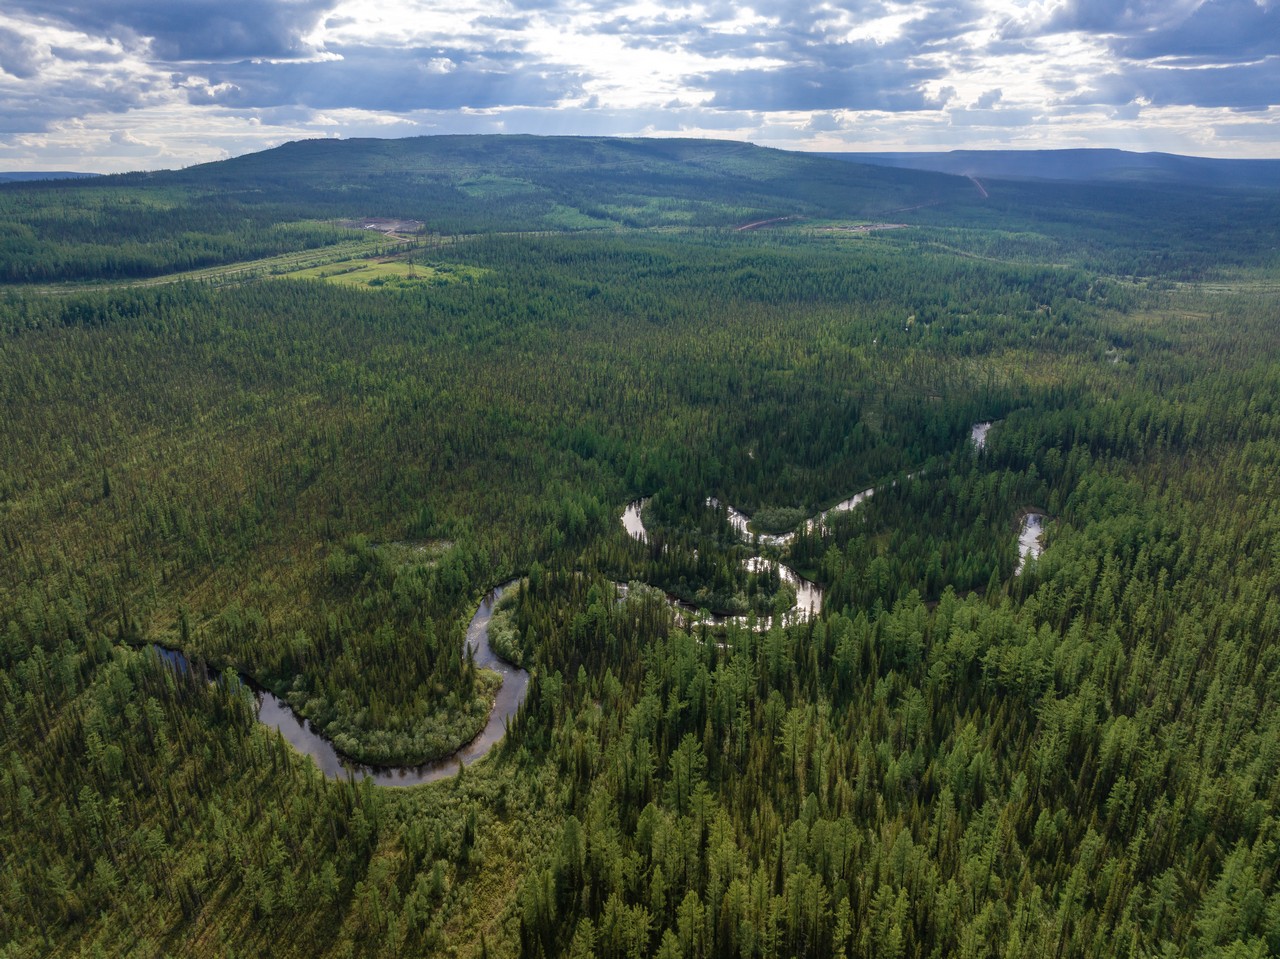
(278, 714)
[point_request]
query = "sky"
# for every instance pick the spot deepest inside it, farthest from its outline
(114, 85)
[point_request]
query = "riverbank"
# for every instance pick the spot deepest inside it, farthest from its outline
(513, 687)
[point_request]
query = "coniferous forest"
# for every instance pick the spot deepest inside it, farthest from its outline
(237, 425)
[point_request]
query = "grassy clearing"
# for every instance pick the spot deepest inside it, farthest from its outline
(492, 186)
(567, 218)
(390, 273)
(1237, 282)
(419, 552)
(284, 264)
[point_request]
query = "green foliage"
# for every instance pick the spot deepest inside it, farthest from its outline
(777, 519)
(104, 229)
(313, 484)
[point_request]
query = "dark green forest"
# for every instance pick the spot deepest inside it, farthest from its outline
(307, 486)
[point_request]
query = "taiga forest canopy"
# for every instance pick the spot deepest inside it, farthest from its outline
(295, 414)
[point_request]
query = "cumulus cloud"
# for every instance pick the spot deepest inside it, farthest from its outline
(124, 144)
(1217, 31)
(988, 99)
(44, 84)
(378, 79)
(18, 56)
(875, 55)
(1243, 87)
(1202, 31)
(1202, 53)
(191, 29)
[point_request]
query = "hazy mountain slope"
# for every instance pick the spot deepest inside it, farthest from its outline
(25, 176)
(1087, 165)
(523, 182)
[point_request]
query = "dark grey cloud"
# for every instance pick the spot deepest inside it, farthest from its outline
(1112, 89)
(185, 30)
(389, 80)
(823, 69)
(1232, 31)
(792, 12)
(941, 23)
(18, 56)
(1258, 132)
(1250, 86)
(823, 123)
(657, 31)
(1245, 87)
(1103, 16)
(97, 55)
(1212, 31)
(1011, 44)
(35, 109)
(1202, 53)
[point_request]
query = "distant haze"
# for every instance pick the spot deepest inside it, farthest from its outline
(1082, 165)
(19, 176)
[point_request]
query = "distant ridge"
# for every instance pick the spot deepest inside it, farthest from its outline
(26, 176)
(1083, 166)
(482, 183)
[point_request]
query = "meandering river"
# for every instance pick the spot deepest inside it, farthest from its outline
(276, 713)
(809, 595)
(741, 521)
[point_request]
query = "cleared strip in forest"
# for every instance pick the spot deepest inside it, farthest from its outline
(235, 272)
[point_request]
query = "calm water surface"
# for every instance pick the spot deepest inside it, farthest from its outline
(276, 713)
(1030, 545)
(809, 595)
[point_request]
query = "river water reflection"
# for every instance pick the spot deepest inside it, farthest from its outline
(809, 595)
(1030, 544)
(276, 713)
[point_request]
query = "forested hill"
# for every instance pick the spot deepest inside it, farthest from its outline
(295, 197)
(24, 176)
(474, 183)
(303, 197)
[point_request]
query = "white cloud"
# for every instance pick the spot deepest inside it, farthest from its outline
(206, 78)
